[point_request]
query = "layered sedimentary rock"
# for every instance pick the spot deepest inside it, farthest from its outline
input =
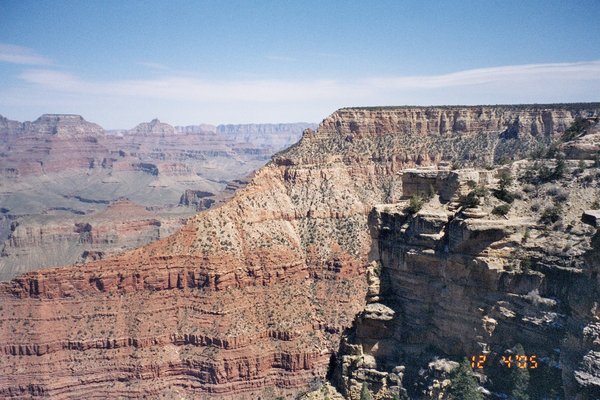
(250, 299)
(121, 225)
(61, 170)
(276, 136)
(449, 282)
(51, 143)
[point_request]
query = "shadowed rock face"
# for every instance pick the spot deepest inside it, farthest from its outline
(251, 297)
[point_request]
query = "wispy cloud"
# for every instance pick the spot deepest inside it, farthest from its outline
(265, 91)
(21, 55)
(184, 98)
(178, 88)
(558, 71)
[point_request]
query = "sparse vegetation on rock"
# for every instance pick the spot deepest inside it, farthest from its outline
(501, 210)
(263, 290)
(365, 393)
(415, 204)
(464, 385)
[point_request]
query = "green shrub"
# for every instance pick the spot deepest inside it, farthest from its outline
(519, 379)
(471, 200)
(504, 195)
(505, 178)
(415, 204)
(365, 393)
(501, 210)
(577, 128)
(552, 150)
(480, 191)
(464, 385)
(538, 153)
(526, 264)
(538, 174)
(551, 214)
(559, 168)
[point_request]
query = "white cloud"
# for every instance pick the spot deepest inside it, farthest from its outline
(558, 71)
(185, 88)
(179, 98)
(21, 55)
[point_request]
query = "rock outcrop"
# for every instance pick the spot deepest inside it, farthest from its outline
(250, 299)
(50, 124)
(154, 127)
(447, 285)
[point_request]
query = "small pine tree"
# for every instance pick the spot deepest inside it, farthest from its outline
(505, 179)
(471, 200)
(365, 394)
(519, 378)
(464, 385)
(560, 167)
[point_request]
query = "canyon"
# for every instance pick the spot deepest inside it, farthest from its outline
(71, 191)
(318, 267)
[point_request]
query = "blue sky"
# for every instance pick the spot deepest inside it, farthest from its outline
(119, 63)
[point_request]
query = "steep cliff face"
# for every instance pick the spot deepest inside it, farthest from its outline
(451, 282)
(248, 299)
(482, 134)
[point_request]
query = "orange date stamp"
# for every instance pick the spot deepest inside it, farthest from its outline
(522, 361)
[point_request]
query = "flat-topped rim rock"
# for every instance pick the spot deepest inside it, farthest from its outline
(522, 106)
